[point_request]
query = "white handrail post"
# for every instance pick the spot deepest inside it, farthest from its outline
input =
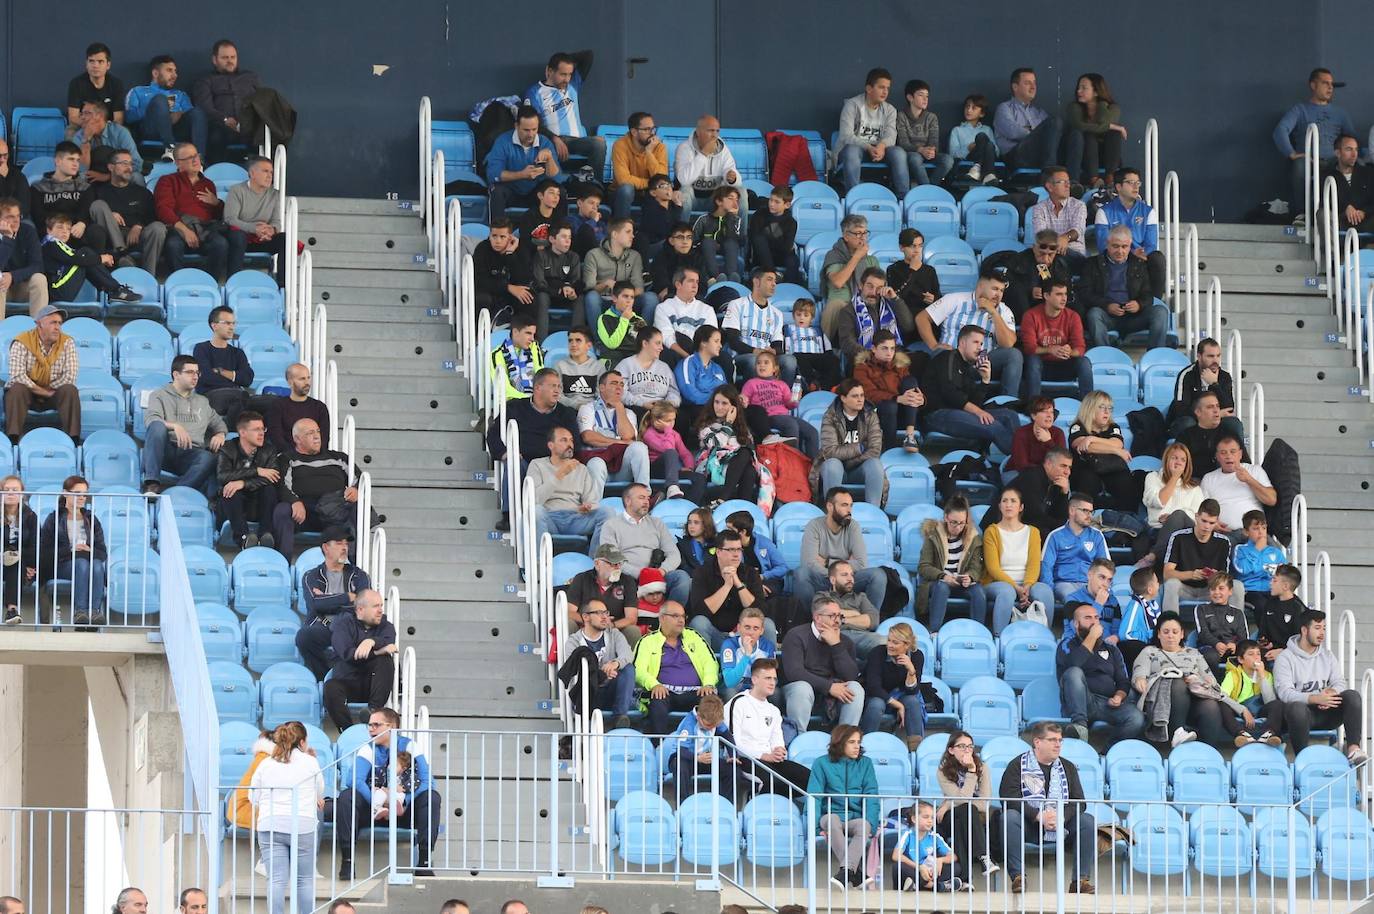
(331, 397)
(514, 494)
(1192, 293)
(469, 328)
(348, 441)
(425, 140)
(530, 565)
(292, 214)
(435, 219)
(1311, 142)
(377, 571)
(1151, 188)
(317, 343)
(1170, 226)
(1298, 547)
(1235, 366)
(363, 527)
(1212, 324)
(1331, 238)
(1347, 282)
(1256, 423)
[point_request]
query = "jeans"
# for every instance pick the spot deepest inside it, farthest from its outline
(800, 698)
(1007, 365)
(983, 154)
(809, 579)
(214, 247)
(728, 248)
(808, 439)
(940, 592)
(619, 693)
(660, 709)
(913, 719)
(852, 157)
(1039, 367)
(1085, 153)
(646, 303)
(1038, 148)
(958, 423)
(1080, 841)
(157, 125)
(1082, 707)
(1003, 597)
(194, 466)
(624, 199)
(916, 167)
(591, 148)
(870, 473)
(744, 367)
(372, 684)
(567, 523)
(634, 467)
(1154, 318)
(703, 626)
(88, 584)
(276, 856)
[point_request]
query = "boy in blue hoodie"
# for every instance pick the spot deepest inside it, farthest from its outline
(1141, 613)
(695, 751)
(1257, 560)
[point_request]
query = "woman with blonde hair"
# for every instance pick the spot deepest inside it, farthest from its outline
(1171, 497)
(892, 681)
(287, 791)
(19, 535)
(1101, 463)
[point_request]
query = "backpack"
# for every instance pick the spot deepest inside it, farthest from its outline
(967, 469)
(1281, 464)
(791, 470)
(897, 598)
(1147, 431)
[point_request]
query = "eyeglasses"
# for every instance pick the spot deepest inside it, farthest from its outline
(671, 616)
(729, 549)
(857, 234)
(650, 129)
(596, 612)
(188, 158)
(375, 725)
(961, 747)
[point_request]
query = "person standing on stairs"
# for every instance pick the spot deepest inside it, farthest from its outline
(535, 416)
(424, 812)
(287, 411)
(330, 589)
(364, 644)
(1331, 120)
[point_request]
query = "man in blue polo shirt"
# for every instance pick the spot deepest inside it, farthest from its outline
(1070, 549)
(558, 100)
(1129, 210)
(517, 162)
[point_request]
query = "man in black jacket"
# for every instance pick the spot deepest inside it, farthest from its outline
(248, 474)
(1354, 185)
(365, 644)
(820, 663)
(21, 259)
(957, 385)
(1044, 493)
(1205, 374)
(555, 275)
(1031, 785)
(126, 212)
(1115, 294)
(1028, 269)
(316, 489)
(329, 589)
(496, 272)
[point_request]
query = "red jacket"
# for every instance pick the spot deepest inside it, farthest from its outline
(881, 382)
(1038, 330)
(175, 197)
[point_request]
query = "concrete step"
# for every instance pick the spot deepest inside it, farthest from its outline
(390, 496)
(1312, 356)
(358, 206)
(437, 461)
(461, 581)
(507, 725)
(1315, 392)
(1283, 408)
(1235, 231)
(465, 706)
(1244, 321)
(519, 679)
(410, 530)
(1324, 490)
(386, 366)
(353, 325)
(359, 224)
(1277, 374)
(401, 350)
(436, 419)
(434, 612)
(1212, 249)
(377, 297)
(1236, 302)
(449, 384)
(1336, 466)
(1345, 446)
(1283, 284)
(366, 243)
(1287, 264)
(324, 278)
(447, 441)
(386, 260)
(389, 313)
(1291, 338)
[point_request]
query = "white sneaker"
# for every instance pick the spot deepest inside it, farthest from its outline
(991, 178)
(908, 885)
(1355, 755)
(989, 865)
(261, 868)
(975, 173)
(169, 154)
(1243, 739)
(775, 438)
(1183, 735)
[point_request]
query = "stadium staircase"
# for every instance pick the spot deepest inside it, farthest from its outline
(1312, 395)
(462, 606)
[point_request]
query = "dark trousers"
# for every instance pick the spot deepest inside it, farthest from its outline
(425, 814)
(19, 399)
(1302, 717)
(1121, 488)
(785, 262)
(238, 509)
(312, 640)
(983, 154)
(284, 527)
(660, 708)
(214, 247)
(967, 833)
(785, 778)
(1215, 725)
(1038, 148)
(228, 402)
(741, 479)
(99, 276)
(687, 769)
(240, 244)
(821, 370)
(372, 684)
(893, 417)
(157, 124)
(1085, 153)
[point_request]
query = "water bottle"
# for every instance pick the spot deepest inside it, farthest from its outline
(797, 390)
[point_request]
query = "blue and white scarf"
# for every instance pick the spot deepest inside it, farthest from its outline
(886, 320)
(604, 419)
(519, 366)
(1037, 794)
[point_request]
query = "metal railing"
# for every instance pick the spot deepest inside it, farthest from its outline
(279, 184)
(426, 140)
(1329, 216)
(1235, 367)
(1150, 187)
(1311, 166)
(1297, 552)
(1171, 240)
(1255, 427)
(291, 228)
(1186, 298)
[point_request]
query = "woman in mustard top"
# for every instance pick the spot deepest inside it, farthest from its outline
(1011, 563)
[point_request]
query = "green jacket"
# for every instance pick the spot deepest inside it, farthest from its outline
(934, 551)
(854, 785)
(649, 654)
(502, 368)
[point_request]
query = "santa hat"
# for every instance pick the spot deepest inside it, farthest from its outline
(652, 580)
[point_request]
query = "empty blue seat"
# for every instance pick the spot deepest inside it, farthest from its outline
(271, 637)
(908, 484)
(876, 204)
(1273, 828)
(1159, 369)
(235, 692)
(1040, 701)
(236, 740)
(988, 708)
(1221, 842)
(1198, 775)
(877, 530)
(289, 692)
(1115, 375)
(1324, 779)
(815, 215)
(910, 539)
(104, 404)
(1261, 776)
(269, 349)
(567, 565)
(35, 169)
(987, 220)
(954, 262)
(1001, 751)
(94, 345)
(195, 519)
(1091, 773)
(933, 211)
(1028, 652)
(255, 298)
(644, 829)
(146, 285)
(725, 509)
(220, 633)
(134, 589)
(891, 761)
(967, 649)
(928, 756)
(308, 559)
(456, 141)
(190, 295)
(709, 830)
(46, 457)
(949, 717)
(144, 348)
(1161, 840)
(260, 577)
(1135, 772)
(631, 764)
(188, 339)
(36, 132)
(139, 392)
(773, 832)
(207, 573)
(806, 747)
(814, 405)
(1345, 841)
(124, 515)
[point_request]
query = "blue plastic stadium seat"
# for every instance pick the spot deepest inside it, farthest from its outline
(271, 637)
(195, 519)
(1159, 368)
(1345, 842)
(987, 707)
(190, 295)
(949, 717)
(773, 832)
(94, 345)
(34, 169)
(999, 752)
(567, 565)
(1040, 701)
(139, 391)
(806, 747)
(631, 764)
(1161, 840)
(134, 591)
(709, 830)
(673, 512)
(815, 215)
(259, 577)
(1089, 764)
(907, 526)
(1221, 842)
(270, 350)
(645, 829)
(236, 740)
(877, 204)
(255, 298)
(235, 692)
(789, 525)
(1273, 828)
(307, 560)
(892, 762)
(220, 633)
(1135, 772)
(144, 348)
(456, 141)
(933, 211)
(46, 457)
(908, 483)
(928, 755)
(954, 261)
(36, 132)
(104, 405)
(1198, 775)
(725, 509)
(289, 692)
(1027, 651)
(1261, 776)
(986, 221)
(226, 174)
(124, 515)
(188, 339)
(967, 649)
(207, 573)
(1324, 780)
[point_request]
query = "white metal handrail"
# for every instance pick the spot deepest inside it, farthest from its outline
(526, 556)
(426, 127)
(434, 220)
(1151, 185)
(515, 495)
(1172, 238)
(1186, 307)
(1330, 216)
(315, 360)
(468, 324)
(545, 605)
(1211, 323)
(363, 527)
(407, 695)
(1235, 367)
(265, 150)
(1364, 350)
(291, 228)
(1346, 283)
(1297, 552)
(331, 396)
(298, 313)
(348, 441)
(560, 640)
(376, 570)
(1311, 189)
(279, 184)
(1256, 423)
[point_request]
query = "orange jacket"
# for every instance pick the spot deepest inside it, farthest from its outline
(635, 168)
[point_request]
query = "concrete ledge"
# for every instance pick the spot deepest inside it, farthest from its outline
(25, 646)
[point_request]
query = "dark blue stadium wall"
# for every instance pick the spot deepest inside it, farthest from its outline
(1216, 75)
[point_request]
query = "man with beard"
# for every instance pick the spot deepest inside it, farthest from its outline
(1093, 682)
(831, 538)
(861, 617)
(876, 307)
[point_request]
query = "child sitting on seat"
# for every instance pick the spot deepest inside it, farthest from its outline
(1220, 626)
(1139, 618)
(1248, 682)
(923, 858)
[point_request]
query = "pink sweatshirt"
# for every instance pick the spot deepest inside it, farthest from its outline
(772, 394)
(659, 442)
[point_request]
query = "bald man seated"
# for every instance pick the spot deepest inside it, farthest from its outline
(317, 489)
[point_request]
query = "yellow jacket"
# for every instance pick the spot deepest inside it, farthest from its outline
(992, 557)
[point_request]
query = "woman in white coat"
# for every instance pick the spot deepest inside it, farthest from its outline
(287, 791)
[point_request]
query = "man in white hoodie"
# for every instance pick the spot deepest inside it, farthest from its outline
(701, 164)
(1308, 679)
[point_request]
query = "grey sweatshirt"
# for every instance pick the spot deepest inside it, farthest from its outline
(1298, 674)
(566, 494)
(848, 544)
(647, 385)
(600, 265)
(616, 647)
(863, 126)
(193, 413)
(579, 381)
(244, 209)
(637, 541)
